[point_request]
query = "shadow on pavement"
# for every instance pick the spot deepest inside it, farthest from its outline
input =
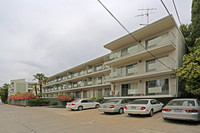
(183, 122)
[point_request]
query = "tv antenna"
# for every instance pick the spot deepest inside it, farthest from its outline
(148, 11)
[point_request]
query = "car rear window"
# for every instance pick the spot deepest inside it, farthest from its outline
(181, 103)
(198, 102)
(75, 101)
(140, 102)
(111, 101)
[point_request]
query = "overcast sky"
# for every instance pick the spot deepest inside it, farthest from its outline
(50, 36)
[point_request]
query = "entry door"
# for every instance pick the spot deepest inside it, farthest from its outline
(125, 88)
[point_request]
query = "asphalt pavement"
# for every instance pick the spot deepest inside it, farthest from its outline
(17, 119)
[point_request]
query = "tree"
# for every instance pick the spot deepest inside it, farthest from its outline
(195, 20)
(189, 73)
(191, 31)
(4, 92)
(42, 79)
(34, 85)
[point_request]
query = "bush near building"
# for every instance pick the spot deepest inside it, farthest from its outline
(22, 96)
(38, 102)
(65, 98)
(97, 99)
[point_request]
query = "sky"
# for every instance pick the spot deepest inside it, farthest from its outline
(51, 36)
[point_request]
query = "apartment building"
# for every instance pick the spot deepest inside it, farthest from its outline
(19, 85)
(139, 66)
(84, 81)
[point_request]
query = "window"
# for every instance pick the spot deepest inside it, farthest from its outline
(86, 94)
(131, 69)
(198, 102)
(125, 88)
(99, 93)
(153, 102)
(130, 89)
(181, 103)
(84, 101)
(124, 101)
(124, 52)
(151, 65)
(107, 92)
(140, 102)
(157, 87)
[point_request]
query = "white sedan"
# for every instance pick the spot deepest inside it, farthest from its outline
(143, 106)
(81, 104)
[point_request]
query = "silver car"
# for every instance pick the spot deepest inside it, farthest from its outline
(113, 105)
(81, 104)
(143, 106)
(182, 109)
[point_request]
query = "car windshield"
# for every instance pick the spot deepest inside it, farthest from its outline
(112, 101)
(140, 102)
(181, 103)
(75, 101)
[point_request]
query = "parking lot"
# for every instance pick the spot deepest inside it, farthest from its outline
(18, 119)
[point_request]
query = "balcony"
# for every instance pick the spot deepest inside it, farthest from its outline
(155, 69)
(158, 45)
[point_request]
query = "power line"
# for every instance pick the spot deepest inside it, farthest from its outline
(132, 35)
(175, 25)
(176, 12)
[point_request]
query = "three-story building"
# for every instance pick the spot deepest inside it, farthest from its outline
(139, 65)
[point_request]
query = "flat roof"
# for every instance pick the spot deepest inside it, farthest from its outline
(146, 31)
(81, 66)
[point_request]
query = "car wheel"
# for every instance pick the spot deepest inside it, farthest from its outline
(151, 113)
(130, 114)
(80, 108)
(121, 110)
(97, 106)
(164, 118)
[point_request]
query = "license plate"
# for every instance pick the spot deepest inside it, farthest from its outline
(104, 106)
(133, 107)
(177, 110)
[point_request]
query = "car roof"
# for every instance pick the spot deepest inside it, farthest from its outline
(144, 99)
(184, 99)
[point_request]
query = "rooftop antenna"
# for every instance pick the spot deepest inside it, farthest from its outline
(146, 14)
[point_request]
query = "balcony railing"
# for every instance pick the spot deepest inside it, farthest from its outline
(161, 65)
(134, 49)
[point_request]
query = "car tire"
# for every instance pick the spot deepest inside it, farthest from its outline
(164, 118)
(97, 106)
(130, 114)
(151, 113)
(121, 111)
(80, 108)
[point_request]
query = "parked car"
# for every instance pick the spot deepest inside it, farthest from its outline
(81, 104)
(182, 109)
(113, 105)
(143, 106)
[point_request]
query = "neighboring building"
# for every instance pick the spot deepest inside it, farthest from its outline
(19, 85)
(130, 70)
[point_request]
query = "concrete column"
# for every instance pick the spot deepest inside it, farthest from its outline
(81, 93)
(103, 92)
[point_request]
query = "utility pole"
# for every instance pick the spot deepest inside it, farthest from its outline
(146, 14)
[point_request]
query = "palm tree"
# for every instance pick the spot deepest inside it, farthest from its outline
(34, 85)
(42, 79)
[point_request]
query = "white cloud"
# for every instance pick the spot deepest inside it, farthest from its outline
(50, 36)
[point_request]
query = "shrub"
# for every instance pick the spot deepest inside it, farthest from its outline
(22, 96)
(65, 98)
(97, 99)
(38, 102)
(54, 103)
